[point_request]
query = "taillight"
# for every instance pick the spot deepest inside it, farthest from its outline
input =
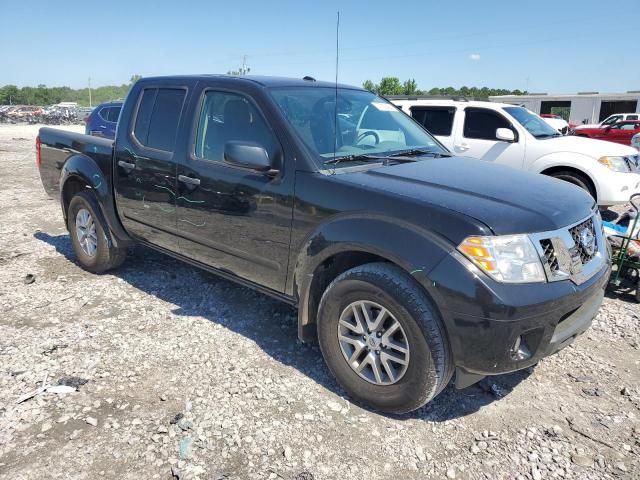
(38, 151)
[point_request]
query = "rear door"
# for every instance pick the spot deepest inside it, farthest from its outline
(438, 120)
(476, 138)
(145, 165)
(231, 218)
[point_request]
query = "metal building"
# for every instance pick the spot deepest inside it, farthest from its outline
(583, 107)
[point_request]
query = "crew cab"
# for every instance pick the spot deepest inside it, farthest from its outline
(621, 132)
(514, 136)
(407, 264)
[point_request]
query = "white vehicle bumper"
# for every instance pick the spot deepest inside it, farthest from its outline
(615, 188)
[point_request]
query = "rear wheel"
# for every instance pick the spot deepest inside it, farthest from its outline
(577, 179)
(383, 339)
(93, 248)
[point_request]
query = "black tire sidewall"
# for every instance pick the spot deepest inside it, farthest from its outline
(97, 262)
(577, 180)
(419, 383)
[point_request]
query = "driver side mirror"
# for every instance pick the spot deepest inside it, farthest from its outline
(249, 155)
(505, 135)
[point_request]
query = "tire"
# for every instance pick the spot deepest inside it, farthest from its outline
(429, 367)
(104, 255)
(576, 179)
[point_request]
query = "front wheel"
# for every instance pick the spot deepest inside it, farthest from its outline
(93, 248)
(576, 179)
(383, 339)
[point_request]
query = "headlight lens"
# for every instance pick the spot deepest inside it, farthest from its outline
(507, 258)
(617, 164)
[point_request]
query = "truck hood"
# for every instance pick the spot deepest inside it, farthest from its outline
(506, 200)
(585, 146)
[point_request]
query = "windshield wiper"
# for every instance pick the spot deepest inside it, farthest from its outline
(416, 152)
(359, 157)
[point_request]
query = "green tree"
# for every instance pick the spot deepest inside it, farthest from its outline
(369, 85)
(410, 87)
(134, 78)
(390, 86)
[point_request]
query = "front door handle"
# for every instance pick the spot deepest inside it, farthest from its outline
(462, 146)
(189, 180)
(126, 165)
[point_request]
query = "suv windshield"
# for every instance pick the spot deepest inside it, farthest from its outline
(366, 124)
(535, 125)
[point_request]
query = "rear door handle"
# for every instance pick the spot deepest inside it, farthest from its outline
(189, 180)
(126, 165)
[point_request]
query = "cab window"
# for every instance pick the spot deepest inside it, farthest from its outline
(480, 123)
(437, 120)
(226, 117)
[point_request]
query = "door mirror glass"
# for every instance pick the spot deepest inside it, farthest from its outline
(505, 134)
(247, 155)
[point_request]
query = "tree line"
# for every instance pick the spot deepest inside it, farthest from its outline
(43, 95)
(393, 86)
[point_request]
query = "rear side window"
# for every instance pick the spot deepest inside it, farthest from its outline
(156, 123)
(437, 120)
(482, 124)
(632, 117)
(113, 114)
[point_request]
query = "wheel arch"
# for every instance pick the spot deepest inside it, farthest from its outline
(550, 171)
(81, 172)
(343, 245)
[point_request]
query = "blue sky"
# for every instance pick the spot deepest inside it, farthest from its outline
(544, 46)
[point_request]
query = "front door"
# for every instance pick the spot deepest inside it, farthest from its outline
(476, 138)
(234, 219)
(145, 169)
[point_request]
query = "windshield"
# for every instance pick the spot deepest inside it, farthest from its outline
(366, 124)
(535, 125)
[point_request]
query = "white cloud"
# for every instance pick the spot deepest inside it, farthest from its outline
(474, 56)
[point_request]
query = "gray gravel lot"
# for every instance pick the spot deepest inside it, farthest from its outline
(190, 376)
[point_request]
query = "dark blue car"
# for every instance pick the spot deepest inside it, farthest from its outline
(103, 120)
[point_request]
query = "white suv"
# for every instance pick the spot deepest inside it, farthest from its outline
(515, 136)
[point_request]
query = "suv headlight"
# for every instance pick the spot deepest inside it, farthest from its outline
(507, 258)
(617, 164)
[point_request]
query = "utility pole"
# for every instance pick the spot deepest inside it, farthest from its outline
(89, 91)
(244, 69)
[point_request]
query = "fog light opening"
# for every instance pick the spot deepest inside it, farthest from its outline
(520, 350)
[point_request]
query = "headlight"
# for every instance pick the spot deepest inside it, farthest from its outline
(617, 164)
(508, 258)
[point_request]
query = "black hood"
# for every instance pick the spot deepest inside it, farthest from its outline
(506, 200)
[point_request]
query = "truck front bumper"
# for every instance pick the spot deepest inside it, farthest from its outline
(497, 328)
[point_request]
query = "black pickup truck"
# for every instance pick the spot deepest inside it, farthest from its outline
(406, 263)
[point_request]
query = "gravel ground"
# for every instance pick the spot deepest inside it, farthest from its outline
(175, 373)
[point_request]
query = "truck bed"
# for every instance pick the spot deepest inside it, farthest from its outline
(59, 146)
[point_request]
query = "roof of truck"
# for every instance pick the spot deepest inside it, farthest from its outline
(266, 81)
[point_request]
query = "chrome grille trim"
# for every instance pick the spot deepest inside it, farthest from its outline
(563, 255)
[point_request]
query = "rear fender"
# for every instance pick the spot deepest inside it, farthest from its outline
(85, 169)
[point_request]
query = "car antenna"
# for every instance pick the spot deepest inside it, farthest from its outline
(335, 105)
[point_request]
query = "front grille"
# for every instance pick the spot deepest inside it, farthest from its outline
(585, 256)
(549, 255)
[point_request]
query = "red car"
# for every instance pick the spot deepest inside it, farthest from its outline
(620, 132)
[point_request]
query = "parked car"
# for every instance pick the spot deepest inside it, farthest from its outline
(621, 132)
(406, 263)
(102, 121)
(610, 120)
(514, 136)
(557, 122)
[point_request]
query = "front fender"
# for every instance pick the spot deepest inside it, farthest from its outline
(414, 249)
(86, 169)
(572, 160)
